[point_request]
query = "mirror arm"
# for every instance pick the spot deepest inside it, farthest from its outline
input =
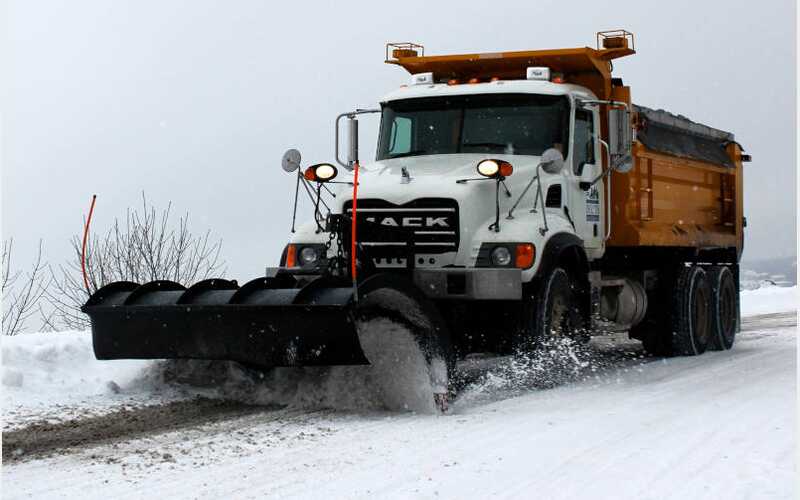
(296, 193)
(597, 102)
(524, 192)
(496, 225)
(464, 181)
(317, 215)
(316, 200)
(508, 191)
(540, 196)
(336, 150)
(608, 208)
(324, 184)
(586, 185)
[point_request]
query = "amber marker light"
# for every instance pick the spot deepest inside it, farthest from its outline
(526, 252)
(291, 256)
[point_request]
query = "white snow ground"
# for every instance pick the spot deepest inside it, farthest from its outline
(722, 425)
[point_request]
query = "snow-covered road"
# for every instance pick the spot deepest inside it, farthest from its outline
(721, 425)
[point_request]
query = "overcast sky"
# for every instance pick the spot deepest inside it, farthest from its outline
(194, 102)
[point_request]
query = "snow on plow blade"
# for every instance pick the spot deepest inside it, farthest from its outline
(265, 322)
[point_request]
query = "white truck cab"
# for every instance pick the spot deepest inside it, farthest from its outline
(432, 137)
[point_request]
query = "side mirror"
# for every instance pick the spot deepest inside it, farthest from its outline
(620, 139)
(352, 147)
(552, 161)
(291, 160)
(352, 138)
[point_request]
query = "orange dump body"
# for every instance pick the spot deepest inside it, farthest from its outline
(670, 201)
(685, 188)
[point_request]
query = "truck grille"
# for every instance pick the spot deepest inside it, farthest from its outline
(422, 226)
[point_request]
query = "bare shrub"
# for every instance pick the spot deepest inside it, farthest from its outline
(144, 246)
(21, 293)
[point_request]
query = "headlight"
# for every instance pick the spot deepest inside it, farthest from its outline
(506, 254)
(495, 168)
(303, 255)
(488, 168)
(308, 256)
(501, 256)
(321, 172)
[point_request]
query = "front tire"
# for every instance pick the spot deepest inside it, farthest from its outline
(553, 311)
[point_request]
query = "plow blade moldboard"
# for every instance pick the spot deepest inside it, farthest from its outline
(264, 323)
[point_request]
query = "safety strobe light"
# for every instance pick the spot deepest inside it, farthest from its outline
(495, 168)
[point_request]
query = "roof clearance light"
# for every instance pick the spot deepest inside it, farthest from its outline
(422, 79)
(538, 73)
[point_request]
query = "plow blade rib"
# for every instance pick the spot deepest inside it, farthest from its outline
(264, 323)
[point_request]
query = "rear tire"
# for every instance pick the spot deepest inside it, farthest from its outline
(724, 308)
(691, 308)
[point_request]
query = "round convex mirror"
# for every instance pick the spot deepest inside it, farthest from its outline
(622, 164)
(552, 161)
(291, 160)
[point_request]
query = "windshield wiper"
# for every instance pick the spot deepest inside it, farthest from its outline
(407, 153)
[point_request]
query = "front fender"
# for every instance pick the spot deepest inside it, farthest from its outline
(523, 228)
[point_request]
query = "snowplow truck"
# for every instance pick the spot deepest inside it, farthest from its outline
(515, 197)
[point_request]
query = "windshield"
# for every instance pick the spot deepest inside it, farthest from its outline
(518, 124)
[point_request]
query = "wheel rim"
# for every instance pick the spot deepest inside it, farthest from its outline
(563, 319)
(559, 317)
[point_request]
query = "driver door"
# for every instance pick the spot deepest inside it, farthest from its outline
(585, 207)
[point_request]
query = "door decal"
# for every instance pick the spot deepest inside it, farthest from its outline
(593, 205)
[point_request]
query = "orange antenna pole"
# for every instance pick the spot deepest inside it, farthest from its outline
(353, 227)
(83, 247)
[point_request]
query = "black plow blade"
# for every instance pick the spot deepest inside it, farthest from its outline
(265, 322)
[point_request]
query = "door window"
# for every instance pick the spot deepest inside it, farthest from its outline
(584, 140)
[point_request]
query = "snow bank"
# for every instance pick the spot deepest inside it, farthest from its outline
(47, 368)
(43, 370)
(769, 299)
